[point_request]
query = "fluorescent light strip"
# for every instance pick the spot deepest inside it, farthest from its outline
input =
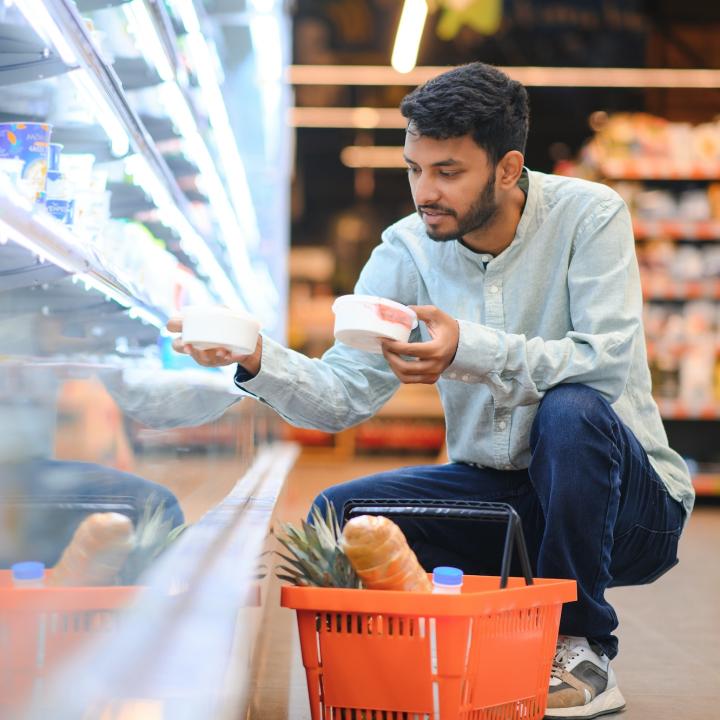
(267, 43)
(409, 33)
(205, 68)
(190, 241)
(44, 253)
(530, 76)
(134, 311)
(42, 22)
(44, 237)
(346, 117)
(372, 156)
(103, 112)
(177, 108)
(142, 27)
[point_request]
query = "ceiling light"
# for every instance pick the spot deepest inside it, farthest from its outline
(409, 32)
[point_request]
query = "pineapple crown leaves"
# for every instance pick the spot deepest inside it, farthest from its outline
(154, 533)
(313, 554)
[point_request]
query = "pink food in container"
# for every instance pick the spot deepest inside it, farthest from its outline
(361, 321)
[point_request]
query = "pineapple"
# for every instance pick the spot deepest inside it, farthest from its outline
(153, 535)
(315, 557)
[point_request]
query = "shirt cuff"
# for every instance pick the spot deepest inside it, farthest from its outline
(479, 353)
(242, 375)
(272, 375)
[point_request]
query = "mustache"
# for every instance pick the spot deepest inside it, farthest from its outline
(436, 208)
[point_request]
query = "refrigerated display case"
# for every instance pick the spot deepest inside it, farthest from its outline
(144, 166)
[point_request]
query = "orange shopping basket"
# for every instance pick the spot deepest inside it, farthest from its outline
(485, 654)
(41, 627)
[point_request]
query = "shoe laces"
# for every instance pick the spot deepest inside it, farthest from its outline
(565, 652)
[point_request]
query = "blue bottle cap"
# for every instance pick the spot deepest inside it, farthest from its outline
(447, 576)
(30, 570)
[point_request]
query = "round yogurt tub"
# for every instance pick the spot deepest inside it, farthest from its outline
(361, 321)
(207, 327)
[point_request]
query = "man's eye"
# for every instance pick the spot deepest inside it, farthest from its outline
(412, 170)
(448, 173)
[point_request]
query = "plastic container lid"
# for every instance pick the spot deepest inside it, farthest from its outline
(447, 576)
(30, 570)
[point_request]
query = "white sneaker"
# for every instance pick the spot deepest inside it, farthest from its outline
(582, 683)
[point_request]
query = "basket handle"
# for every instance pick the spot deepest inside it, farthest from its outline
(455, 510)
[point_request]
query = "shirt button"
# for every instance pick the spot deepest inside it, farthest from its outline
(502, 424)
(465, 378)
(452, 375)
(486, 258)
(494, 289)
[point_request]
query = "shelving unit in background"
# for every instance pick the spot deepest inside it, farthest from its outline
(680, 291)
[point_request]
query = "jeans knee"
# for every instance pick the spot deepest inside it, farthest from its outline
(335, 495)
(565, 409)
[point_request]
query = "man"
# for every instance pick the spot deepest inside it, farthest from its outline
(528, 288)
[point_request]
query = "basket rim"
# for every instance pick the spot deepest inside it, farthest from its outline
(517, 596)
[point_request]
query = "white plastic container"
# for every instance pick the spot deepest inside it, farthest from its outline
(447, 580)
(208, 327)
(362, 320)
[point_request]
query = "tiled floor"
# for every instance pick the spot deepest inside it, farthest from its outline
(669, 633)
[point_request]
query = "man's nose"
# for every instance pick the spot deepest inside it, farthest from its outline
(426, 190)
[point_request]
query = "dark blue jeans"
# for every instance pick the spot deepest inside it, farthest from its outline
(592, 508)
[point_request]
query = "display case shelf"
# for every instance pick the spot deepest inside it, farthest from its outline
(92, 5)
(674, 409)
(707, 484)
(675, 349)
(662, 289)
(659, 168)
(24, 57)
(52, 242)
(110, 94)
(677, 229)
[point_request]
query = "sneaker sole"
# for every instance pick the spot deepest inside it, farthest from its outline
(611, 701)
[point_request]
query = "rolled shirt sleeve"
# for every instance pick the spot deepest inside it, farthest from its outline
(345, 386)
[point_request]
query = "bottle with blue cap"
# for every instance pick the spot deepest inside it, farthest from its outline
(447, 580)
(28, 574)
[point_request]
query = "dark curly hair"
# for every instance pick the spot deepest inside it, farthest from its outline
(475, 99)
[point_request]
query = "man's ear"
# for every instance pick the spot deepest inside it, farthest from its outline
(509, 169)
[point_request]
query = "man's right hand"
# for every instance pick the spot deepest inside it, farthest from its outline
(216, 357)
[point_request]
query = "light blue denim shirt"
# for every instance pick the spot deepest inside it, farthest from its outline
(561, 304)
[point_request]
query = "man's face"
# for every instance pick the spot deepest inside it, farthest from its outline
(452, 183)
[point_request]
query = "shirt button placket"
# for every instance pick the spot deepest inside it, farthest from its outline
(495, 317)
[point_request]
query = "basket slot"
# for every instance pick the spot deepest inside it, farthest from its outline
(339, 713)
(527, 709)
(389, 643)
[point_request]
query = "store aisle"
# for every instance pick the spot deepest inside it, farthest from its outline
(669, 630)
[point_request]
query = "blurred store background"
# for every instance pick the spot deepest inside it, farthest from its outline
(160, 153)
(653, 135)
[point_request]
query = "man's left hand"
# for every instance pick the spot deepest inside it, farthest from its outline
(427, 360)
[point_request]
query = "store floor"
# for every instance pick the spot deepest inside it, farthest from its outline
(669, 632)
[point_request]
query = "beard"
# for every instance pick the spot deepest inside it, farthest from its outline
(480, 214)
